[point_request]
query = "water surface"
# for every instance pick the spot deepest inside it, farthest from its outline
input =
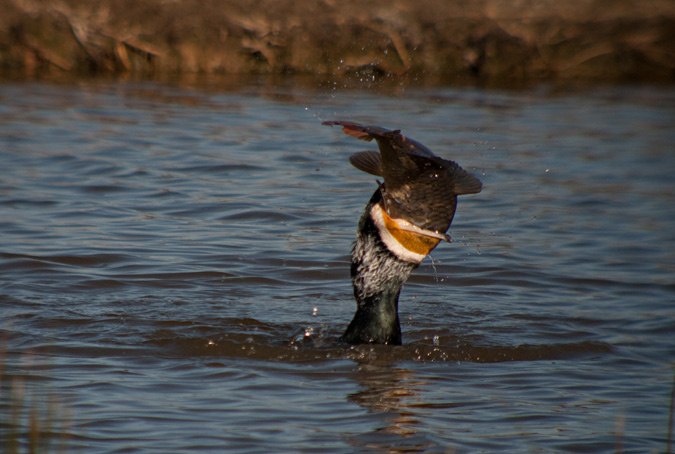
(174, 271)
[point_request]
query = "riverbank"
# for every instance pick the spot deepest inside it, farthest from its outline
(488, 42)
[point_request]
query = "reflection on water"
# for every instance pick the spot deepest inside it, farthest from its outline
(174, 262)
(390, 390)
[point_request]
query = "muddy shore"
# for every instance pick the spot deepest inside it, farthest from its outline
(483, 42)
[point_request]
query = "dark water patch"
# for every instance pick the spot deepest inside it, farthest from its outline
(168, 193)
(197, 210)
(260, 215)
(224, 169)
(86, 261)
(463, 352)
(103, 189)
(100, 284)
(250, 338)
(299, 158)
(23, 203)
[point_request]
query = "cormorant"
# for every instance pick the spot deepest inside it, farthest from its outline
(405, 219)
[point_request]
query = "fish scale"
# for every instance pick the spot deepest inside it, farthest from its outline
(419, 186)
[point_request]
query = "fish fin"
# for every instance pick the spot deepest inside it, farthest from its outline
(366, 133)
(352, 129)
(367, 161)
(464, 182)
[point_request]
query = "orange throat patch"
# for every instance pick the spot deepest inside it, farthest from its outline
(406, 241)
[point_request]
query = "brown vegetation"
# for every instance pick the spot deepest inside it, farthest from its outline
(468, 41)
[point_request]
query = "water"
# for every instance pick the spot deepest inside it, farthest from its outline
(174, 272)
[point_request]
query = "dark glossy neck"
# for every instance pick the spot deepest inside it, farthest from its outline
(377, 278)
(375, 321)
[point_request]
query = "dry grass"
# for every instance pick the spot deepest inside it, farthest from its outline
(488, 41)
(33, 419)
